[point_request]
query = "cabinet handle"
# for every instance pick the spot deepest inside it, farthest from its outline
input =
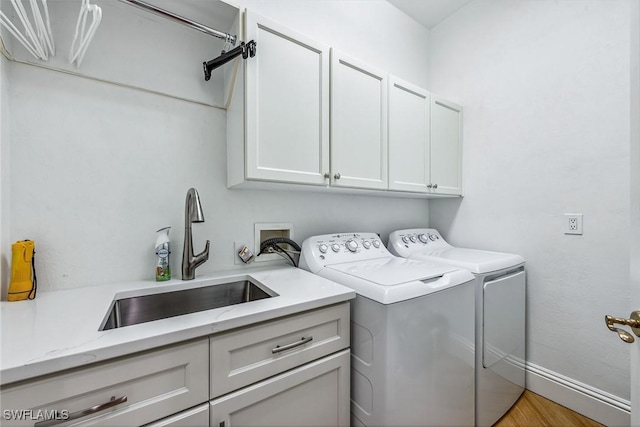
(435, 186)
(280, 348)
(327, 175)
(429, 186)
(79, 414)
(336, 176)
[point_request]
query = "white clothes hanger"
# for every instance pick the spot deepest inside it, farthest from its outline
(38, 41)
(43, 29)
(4, 21)
(83, 35)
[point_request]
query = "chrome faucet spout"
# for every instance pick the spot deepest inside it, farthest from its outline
(192, 213)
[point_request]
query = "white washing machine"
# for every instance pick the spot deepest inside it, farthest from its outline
(412, 345)
(500, 315)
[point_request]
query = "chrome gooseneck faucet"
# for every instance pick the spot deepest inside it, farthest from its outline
(192, 213)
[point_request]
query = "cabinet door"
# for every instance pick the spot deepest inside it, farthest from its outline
(408, 136)
(358, 124)
(287, 105)
(446, 147)
(316, 394)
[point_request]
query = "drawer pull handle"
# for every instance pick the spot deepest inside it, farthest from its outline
(79, 414)
(280, 348)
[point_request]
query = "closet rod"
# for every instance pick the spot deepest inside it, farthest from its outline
(184, 21)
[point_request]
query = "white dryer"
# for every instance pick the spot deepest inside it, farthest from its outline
(412, 342)
(500, 315)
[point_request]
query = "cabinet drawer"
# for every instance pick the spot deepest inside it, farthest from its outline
(243, 357)
(156, 384)
(194, 417)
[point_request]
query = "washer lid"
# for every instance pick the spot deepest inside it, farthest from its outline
(390, 280)
(474, 260)
(393, 271)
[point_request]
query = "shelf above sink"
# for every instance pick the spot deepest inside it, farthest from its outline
(147, 308)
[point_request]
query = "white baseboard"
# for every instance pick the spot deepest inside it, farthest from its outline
(589, 401)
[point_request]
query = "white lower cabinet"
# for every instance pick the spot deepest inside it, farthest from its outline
(315, 394)
(289, 371)
(195, 417)
(130, 391)
(243, 357)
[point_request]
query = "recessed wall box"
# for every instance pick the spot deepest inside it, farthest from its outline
(264, 231)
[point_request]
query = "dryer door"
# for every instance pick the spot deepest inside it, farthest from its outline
(504, 317)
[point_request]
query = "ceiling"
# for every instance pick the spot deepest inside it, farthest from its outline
(429, 12)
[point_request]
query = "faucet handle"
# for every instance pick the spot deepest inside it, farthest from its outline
(205, 252)
(202, 256)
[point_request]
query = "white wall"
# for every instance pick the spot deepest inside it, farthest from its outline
(545, 90)
(97, 168)
(4, 175)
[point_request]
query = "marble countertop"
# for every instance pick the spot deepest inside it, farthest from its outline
(59, 330)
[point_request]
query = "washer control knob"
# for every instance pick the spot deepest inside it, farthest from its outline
(366, 244)
(413, 238)
(405, 239)
(352, 245)
(376, 243)
(423, 238)
(335, 247)
(323, 248)
(433, 237)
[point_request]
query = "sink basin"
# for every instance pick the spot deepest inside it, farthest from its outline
(147, 308)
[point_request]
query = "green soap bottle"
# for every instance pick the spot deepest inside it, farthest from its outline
(163, 268)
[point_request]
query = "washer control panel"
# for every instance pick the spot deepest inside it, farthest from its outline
(319, 251)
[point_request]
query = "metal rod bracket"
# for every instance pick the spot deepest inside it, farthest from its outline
(247, 50)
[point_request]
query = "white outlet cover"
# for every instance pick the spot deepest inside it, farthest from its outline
(572, 223)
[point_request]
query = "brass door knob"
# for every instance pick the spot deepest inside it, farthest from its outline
(633, 322)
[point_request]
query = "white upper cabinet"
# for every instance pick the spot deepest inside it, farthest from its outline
(409, 118)
(358, 124)
(305, 116)
(287, 105)
(446, 147)
(425, 141)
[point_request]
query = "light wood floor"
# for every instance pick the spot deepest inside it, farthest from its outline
(534, 410)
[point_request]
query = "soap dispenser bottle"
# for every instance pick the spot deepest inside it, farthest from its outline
(163, 269)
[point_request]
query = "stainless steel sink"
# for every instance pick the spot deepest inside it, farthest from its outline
(147, 308)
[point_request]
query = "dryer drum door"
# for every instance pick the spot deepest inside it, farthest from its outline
(504, 324)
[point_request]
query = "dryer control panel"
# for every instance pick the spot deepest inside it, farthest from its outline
(405, 242)
(326, 249)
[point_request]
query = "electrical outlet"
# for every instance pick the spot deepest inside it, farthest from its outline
(572, 223)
